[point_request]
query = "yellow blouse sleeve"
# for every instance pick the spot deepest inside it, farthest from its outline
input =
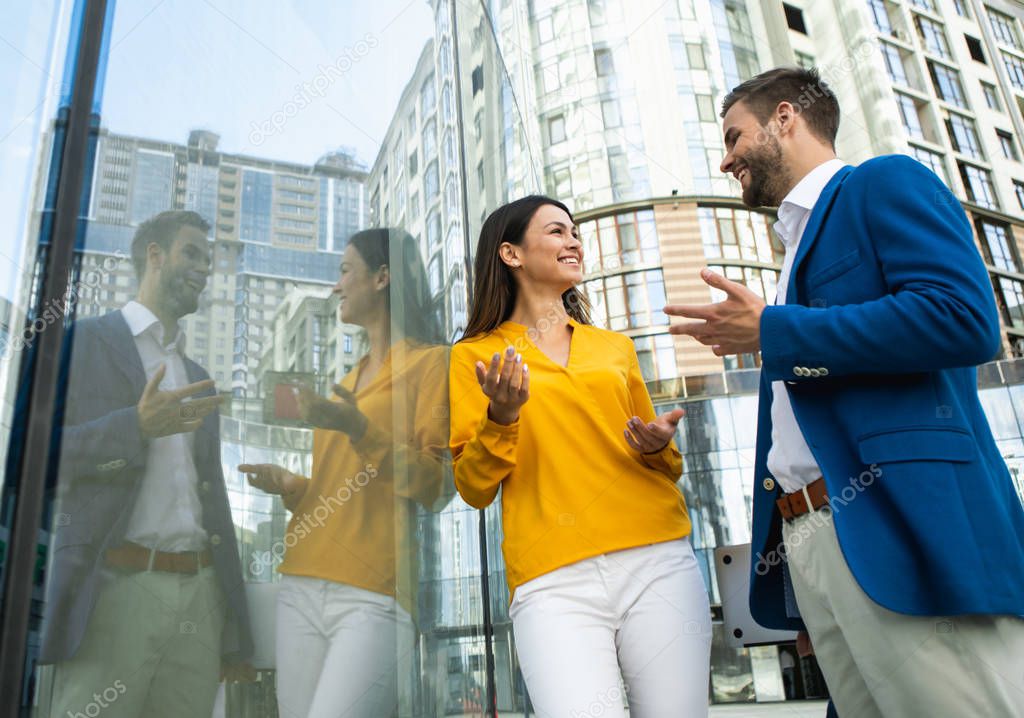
(668, 461)
(418, 454)
(483, 452)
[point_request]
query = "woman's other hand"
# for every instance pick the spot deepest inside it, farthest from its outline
(651, 437)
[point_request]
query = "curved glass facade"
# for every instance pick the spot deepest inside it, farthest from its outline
(272, 203)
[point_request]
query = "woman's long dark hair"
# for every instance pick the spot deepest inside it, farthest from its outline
(408, 292)
(494, 288)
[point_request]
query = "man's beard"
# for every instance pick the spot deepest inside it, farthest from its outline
(178, 297)
(769, 177)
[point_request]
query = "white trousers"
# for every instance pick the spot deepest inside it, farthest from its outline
(879, 663)
(339, 650)
(643, 610)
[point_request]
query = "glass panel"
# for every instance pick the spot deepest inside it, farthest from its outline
(255, 434)
(223, 239)
(34, 57)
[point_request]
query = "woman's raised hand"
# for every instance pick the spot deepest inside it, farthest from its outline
(506, 382)
(651, 437)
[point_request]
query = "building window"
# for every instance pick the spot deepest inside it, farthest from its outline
(347, 343)
(622, 240)
(1011, 296)
(429, 139)
(1018, 188)
(803, 59)
(894, 63)
(545, 29)
(695, 56)
(610, 114)
(1004, 28)
(880, 15)
(431, 183)
(738, 234)
(657, 357)
(991, 96)
(428, 97)
(997, 245)
(947, 84)
(795, 18)
(974, 47)
(932, 36)
(928, 5)
(705, 108)
(762, 282)
(1008, 146)
(963, 135)
(629, 301)
(909, 114)
(978, 184)
(414, 206)
(478, 79)
(603, 62)
(1015, 69)
(556, 129)
(961, 8)
(933, 161)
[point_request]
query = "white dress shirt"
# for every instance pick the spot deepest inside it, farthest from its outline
(790, 460)
(167, 515)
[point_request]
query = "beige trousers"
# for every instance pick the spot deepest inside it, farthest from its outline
(151, 650)
(880, 663)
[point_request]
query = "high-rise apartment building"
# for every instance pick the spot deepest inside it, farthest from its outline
(941, 80)
(276, 227)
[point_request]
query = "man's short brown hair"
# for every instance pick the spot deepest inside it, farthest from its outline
(800, 87)
(162, 229)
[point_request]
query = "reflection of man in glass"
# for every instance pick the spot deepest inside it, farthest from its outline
(347, 600)
(144, 597)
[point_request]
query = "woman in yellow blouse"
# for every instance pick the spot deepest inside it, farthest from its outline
(554, 411)
(347, 599)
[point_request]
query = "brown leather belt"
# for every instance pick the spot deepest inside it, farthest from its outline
(133, 557)
(811, 498)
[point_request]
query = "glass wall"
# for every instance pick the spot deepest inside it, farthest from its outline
(245, 477)
(272, 261)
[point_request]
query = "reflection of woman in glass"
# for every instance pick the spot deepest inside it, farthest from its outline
(555, 412)
(344, 619)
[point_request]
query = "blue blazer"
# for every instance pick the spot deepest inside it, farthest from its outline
(102, 461)
(888, 310)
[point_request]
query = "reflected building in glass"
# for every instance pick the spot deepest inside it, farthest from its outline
(277, 228)
(611, 106)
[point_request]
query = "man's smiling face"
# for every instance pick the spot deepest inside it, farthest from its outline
(754, 157)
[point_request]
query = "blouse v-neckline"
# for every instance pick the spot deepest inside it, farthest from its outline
(523, 330)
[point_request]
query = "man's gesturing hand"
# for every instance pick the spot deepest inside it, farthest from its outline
(732, 326)
(271, 478)
(506, 384)
(162, 413)
(654, 436)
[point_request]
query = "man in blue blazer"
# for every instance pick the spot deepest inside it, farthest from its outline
(885, 520)
(145, 603)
